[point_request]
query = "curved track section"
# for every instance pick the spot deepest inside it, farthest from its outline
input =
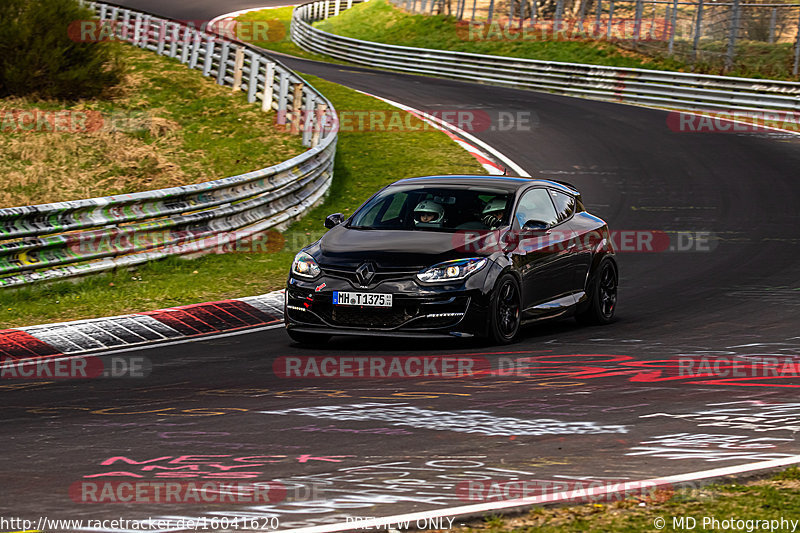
(613, 403)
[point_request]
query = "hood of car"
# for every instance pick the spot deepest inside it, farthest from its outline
(389, 249)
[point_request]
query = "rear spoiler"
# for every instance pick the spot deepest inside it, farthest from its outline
(566, 184)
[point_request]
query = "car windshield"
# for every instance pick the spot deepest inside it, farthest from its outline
(434, 208)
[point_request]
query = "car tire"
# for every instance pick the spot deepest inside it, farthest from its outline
(505, 310)
(302, 337)
(602, 292)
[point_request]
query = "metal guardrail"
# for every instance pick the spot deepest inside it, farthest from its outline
(677, 90)
(52, 241)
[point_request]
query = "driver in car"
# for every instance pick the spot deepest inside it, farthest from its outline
(428, 214)
(493, 213)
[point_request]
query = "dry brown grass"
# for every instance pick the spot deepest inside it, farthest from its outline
(177, 128)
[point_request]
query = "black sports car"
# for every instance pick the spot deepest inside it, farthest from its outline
(454, 256)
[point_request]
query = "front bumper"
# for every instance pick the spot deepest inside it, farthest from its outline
(416, 310)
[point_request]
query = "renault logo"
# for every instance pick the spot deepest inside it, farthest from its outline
(364, 273)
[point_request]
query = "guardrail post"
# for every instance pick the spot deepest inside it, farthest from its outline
(145, 34)
(126, 22)
(137, 26)
(195, 50)
(209, 56)
(733, 34)
(238, 64)
(252, 82)
(222, 69)
(283, 96)
(318, 119)
(103, 9)
(269, 81)
(350, 3)
(173, 46)
(297, 107)
(336, 6)
(698, 29)
(797, 50)
(326, 7)
(308, 117)
(162, 37)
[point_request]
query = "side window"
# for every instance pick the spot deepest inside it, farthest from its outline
(394, 208)
(536, 205)
(565, 204)
(369, 218)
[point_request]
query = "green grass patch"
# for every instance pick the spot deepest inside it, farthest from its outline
(365, 161)
(279, 21)
(165, 125)
(381, 22)
(769, 499)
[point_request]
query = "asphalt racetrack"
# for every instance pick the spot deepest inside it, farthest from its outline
(622, 402)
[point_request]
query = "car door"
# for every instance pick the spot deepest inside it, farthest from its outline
(541, 257)
(574, 231)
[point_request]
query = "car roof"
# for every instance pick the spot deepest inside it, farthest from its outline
(509, 183)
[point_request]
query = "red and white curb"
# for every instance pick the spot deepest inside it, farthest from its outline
(175, 323)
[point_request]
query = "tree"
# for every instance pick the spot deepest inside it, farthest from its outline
(39, 58)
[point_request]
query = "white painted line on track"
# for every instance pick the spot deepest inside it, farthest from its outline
(551, 498)
(234, 14)
(507, 161)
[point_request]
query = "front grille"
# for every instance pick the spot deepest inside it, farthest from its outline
(370, 317)
(380, 275)
(407, 312)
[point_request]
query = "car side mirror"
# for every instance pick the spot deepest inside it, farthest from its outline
(334, 220)
(535, 226)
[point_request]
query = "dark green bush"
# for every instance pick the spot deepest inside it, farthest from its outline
(39, 58)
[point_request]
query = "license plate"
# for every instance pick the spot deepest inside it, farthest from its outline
(368, 299)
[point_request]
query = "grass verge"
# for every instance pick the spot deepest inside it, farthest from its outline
(165, 125)
(769, 499)
(379, 21)
(365, 161)
(279, 40)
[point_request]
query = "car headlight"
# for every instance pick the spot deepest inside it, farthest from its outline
(304, 266)
(452, 270)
